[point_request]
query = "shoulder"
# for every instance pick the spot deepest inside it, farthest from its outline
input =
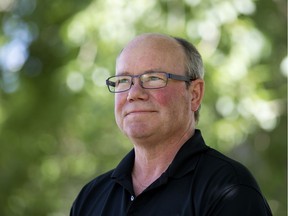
(95, 187)
(218, 174)
(101, 182)
(228, 186)
(219, 165)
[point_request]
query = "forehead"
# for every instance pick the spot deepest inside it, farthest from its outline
(152, 52)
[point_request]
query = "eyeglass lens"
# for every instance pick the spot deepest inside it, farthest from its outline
(148, 80)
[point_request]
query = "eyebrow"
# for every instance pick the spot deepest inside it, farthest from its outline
(123, 73)
(147, 71)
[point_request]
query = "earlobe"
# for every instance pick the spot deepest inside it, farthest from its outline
(197, 90)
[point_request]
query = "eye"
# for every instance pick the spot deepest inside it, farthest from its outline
(153, 78)
(122, 80)
(156, 78)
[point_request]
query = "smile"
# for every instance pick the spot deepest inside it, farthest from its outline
(139, 112)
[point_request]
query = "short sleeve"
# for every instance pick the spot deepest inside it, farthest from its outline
(241, 200)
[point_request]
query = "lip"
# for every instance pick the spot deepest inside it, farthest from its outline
(138, 112)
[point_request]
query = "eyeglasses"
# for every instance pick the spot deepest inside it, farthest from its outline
(148, 80)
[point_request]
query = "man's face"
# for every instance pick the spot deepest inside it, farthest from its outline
(153, 113)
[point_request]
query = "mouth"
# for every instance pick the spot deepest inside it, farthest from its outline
(139, 112)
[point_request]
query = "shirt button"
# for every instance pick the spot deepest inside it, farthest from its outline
(132, 198)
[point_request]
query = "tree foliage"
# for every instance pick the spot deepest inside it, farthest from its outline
(57, 128)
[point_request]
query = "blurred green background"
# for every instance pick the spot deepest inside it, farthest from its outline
(57, 128)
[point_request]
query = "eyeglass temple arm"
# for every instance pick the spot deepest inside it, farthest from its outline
(110, 83)
(179, 77)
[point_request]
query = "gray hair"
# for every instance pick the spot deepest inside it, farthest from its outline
(194, 64)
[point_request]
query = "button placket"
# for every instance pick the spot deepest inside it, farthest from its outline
(132, 198)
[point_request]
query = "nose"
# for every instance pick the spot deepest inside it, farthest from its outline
(136, 92)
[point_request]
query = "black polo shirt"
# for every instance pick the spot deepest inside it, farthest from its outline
(199, 182)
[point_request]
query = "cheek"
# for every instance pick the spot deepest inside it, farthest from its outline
(160, 98)
(174, 101)
(167, 97)
(118, 105)
(120, 99)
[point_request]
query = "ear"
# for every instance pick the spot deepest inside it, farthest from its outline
(197, 91)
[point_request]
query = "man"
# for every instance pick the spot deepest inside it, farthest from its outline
(170, 171)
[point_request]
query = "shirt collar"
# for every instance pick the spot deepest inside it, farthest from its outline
(187, 157)
(185, 160)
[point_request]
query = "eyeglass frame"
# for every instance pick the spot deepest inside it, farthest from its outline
(186, 79)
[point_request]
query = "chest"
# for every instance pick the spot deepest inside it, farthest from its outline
(174, 197)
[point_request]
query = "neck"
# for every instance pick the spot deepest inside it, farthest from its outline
(151, 161)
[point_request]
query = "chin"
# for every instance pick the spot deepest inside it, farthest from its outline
(139, 133)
